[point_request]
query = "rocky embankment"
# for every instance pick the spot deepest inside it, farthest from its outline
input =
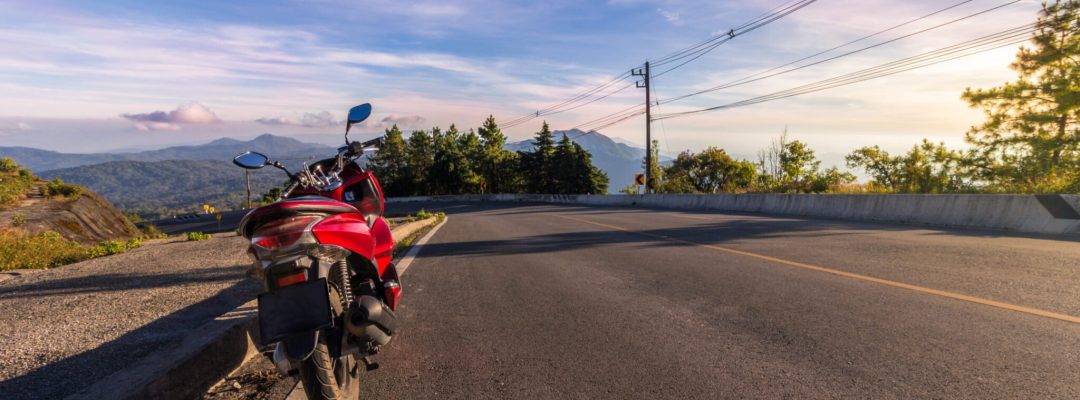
(87, 219)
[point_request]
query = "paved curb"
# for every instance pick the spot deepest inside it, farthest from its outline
(407, 229)
(202, 359)
(185, 371)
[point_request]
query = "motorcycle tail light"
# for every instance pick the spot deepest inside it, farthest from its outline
(281, 234)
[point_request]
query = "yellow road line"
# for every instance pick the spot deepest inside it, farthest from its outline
(886, 282)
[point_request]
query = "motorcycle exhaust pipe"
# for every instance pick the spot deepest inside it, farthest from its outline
(371, 319)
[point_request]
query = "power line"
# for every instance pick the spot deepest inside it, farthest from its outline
(765, 74)
(694, 52)
(997, 40)
(539, 114)
(634, 109)
(553, 109)
(731, 35)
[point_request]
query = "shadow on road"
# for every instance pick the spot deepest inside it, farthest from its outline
(68, 376)
(119, 282)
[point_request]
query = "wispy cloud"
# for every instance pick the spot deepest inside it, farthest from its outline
(322, 119)
(669, 16)
(402, 121)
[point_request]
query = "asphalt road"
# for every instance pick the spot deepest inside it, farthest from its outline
(544, 301)
(205, 223)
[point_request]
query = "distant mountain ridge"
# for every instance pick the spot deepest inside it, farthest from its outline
(162, 187)
(277, 147)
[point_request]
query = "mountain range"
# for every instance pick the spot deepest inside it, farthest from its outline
(224, 149)
(157, 182)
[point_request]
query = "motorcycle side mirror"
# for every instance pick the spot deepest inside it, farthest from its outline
(251, 160)
(357, 115)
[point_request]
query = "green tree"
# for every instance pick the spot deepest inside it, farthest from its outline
(1030, 140)
(451, 172)
(389, 164)
(926, 168)
(420, 156)
(498, 166)
(537, 168)
(710, 171)
(469, 165)
(799, 166)
(573, 171)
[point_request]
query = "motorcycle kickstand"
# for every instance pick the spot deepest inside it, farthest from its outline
(370, 365)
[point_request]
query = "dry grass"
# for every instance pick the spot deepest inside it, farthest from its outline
(19, 249)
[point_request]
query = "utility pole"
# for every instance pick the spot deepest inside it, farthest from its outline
(644, 83)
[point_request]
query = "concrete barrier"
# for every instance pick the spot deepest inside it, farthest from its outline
(1051, 214)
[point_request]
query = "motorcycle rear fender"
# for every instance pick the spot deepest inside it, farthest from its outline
(349, 231)
(384, 245)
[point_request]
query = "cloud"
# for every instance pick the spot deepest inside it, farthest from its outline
(191, 113)
(322, 119)
(156, 126)
(670, 16)
(402, 121)
(7, 129)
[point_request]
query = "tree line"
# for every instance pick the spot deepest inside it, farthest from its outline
(437, 162)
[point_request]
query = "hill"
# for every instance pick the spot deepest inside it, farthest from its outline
(160, 188)
(279, 147)
(76, 214)
(618, 160)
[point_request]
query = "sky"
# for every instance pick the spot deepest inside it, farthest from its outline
(118, 75)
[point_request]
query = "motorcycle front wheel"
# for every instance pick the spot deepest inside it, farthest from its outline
(326, 378)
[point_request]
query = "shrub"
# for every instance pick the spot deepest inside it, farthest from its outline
(8, 164)
(18, 220)
(15, 181)
(423, 214)
(152, 232)
(197, 236)
(57, 187)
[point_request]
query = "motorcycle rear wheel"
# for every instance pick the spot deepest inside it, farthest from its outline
(328, 378)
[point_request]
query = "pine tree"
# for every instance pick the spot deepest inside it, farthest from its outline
(390, 166)
(420, 157)
(537, 168)
(497, 165)
(1031, 138)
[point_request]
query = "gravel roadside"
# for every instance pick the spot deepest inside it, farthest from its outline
(65, 328)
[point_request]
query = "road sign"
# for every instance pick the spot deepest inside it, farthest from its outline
(206, 208)
(219, 216)
(211, 210)
(639, 179)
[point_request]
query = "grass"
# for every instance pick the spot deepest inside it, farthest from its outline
(404, 244)
(152, 232)
(423, 214)
(197, 236)
(48, 249)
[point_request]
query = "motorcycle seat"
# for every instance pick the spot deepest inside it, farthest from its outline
(291, 207)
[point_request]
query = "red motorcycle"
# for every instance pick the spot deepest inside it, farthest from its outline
(324, 252)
